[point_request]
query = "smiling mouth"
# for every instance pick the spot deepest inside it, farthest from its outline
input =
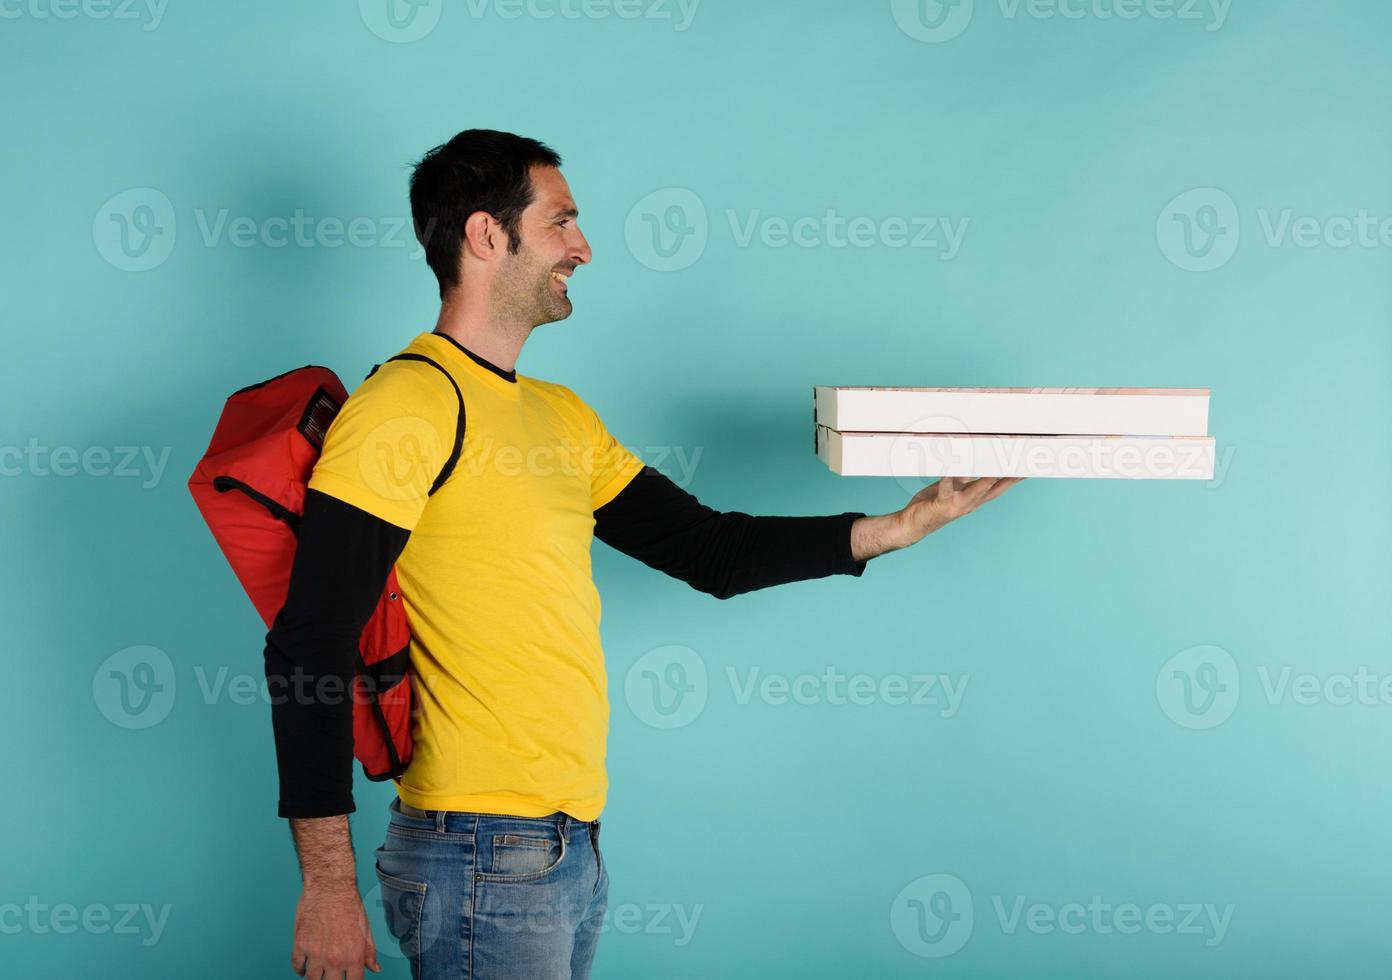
(561, 278)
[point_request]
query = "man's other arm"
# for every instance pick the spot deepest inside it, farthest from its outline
(341, 564)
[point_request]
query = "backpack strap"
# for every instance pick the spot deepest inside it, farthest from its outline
(453, 459)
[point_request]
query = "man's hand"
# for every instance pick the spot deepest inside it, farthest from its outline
(333, 939)
(935, 505)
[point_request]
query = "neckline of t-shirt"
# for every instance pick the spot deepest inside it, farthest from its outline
(503, 381)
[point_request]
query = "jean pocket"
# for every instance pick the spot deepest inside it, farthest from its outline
(517, 857)
(403, 908)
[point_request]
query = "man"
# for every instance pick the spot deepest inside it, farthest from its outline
(491, 867)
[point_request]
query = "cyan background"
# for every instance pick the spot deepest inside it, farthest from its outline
(806, 836)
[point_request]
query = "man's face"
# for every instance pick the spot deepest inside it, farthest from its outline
(531, 283)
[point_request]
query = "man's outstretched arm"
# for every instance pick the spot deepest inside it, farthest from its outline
(726, 553)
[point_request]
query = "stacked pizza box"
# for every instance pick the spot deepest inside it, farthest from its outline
(1110, 433)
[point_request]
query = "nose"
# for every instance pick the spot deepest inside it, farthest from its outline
(580, 249)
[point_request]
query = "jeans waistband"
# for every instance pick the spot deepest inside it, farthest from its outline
(440, 817)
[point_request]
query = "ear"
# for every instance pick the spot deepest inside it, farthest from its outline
(483, 236)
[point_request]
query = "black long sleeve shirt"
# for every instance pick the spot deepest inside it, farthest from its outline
(344, 555)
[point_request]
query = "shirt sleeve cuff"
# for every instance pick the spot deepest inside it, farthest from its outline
(301, 810)
(846, 563)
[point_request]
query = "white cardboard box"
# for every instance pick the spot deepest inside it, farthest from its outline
(1014, 411)
(911, 454)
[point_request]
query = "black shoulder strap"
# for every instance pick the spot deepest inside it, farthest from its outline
(450, 463)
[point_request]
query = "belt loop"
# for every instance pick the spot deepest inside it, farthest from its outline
(439, 821)
(563, 826)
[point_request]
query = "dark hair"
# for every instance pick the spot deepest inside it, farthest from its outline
(477, 170)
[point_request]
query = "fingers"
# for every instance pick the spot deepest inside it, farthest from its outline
(976, 489)
(371, 957)
(1000, 487)
(320, 972)
(960, 484)
(984, 488)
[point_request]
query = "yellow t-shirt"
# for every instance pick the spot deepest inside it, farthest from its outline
(509, 673)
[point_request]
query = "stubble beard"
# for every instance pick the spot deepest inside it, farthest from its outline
(529, 294)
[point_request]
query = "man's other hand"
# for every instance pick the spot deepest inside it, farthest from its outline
(333, 939)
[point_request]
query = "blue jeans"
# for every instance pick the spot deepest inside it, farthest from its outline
(479, 896)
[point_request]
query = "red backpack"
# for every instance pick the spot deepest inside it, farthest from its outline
(250, 488)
